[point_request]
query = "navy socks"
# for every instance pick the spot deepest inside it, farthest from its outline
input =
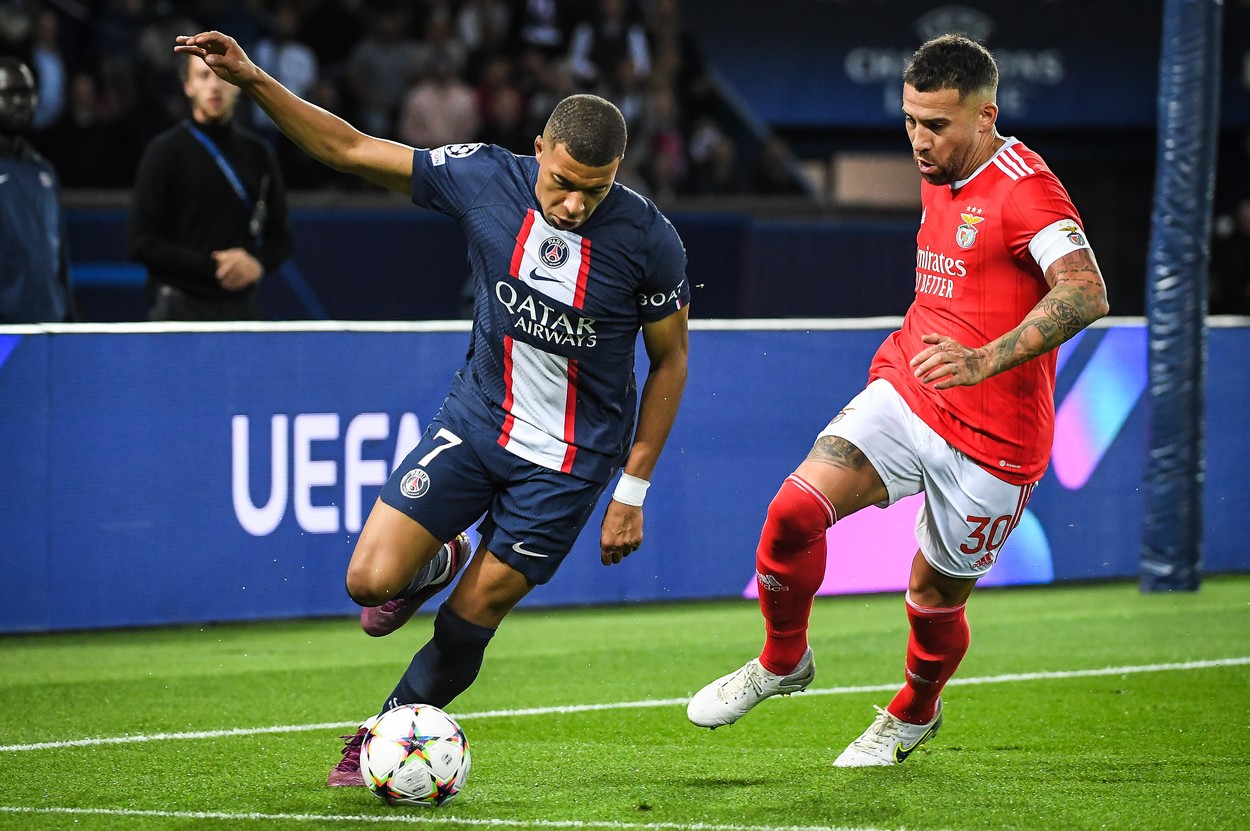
(446, 665)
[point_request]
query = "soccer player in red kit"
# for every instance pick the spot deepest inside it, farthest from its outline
(959, 404)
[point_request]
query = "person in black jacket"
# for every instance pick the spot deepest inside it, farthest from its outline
(209, 217)
(34, 267)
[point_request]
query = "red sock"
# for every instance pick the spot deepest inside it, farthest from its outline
(938, 642)
(789, 568)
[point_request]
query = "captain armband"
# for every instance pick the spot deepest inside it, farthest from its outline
(1055, 240)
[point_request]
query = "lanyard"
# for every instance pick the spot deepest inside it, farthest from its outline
(258, 210)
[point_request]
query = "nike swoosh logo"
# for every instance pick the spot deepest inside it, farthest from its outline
(519, 547)
(538, 276)
(901, 753)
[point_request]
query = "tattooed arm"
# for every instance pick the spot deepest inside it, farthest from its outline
(1077, 298)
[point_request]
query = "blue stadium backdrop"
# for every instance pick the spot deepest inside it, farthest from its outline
(161, 477)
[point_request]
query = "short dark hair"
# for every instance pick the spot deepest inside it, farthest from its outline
(590, 127)
(952, 62)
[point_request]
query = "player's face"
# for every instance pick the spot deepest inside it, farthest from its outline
(212, 99)
(567, 190)
(948, 136)
(17, 99)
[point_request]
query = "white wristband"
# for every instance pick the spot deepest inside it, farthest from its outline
(631, 490)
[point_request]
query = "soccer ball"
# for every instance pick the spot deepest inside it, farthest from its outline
(415, 754)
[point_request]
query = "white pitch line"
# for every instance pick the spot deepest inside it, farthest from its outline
(411, 818)
(633, 705)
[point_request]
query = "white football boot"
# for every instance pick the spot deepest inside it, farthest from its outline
(888, 741)
(729, 697)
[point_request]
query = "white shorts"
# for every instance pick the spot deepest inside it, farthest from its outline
(967, 512)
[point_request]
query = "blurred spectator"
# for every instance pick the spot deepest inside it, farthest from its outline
(115, 87)
(280, 54)
(713, 160)
(774, 172)
(664, 165)
(16, 23)
(208, 219)
(677, 61)
(439, 109)
(241, 18)
(34, 265)
(117, 29)
(598, 45)
(367, 60)
(152, 46)
(493, 72)
(49, 67)
(625, 88)
(543, 26)
(300, 170)
(439, 40)
(544, 85)
(87, 151)
(496, 89)
(379, 71)
(504, 123)
(159, 97)
(482, 26)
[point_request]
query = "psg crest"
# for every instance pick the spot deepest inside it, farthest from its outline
(554, 252)
(415, 483)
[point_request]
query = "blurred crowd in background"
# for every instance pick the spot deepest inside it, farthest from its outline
(431, 72)
(424, 72)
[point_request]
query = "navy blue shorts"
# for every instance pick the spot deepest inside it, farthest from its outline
(458, 472)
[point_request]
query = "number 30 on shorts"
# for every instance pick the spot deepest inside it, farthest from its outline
(989, 534)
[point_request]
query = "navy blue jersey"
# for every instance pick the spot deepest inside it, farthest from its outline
(556, 313)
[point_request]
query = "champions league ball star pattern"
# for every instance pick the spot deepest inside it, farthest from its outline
(415, 754)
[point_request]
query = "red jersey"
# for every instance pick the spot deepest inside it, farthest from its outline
(977, 276)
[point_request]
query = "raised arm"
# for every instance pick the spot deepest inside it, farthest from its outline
(1077, 298)
(319, 133)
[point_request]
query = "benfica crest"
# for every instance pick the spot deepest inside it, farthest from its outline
(966, 234)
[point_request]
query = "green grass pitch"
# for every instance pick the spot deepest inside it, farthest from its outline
(1078, 707)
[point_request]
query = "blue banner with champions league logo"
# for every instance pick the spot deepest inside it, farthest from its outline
(1084, 64)
(187, 476)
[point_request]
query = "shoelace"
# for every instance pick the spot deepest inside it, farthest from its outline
(748, 676)
(350, 761)
(882, 730)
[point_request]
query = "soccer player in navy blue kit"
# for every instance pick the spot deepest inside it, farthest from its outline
(568, 267)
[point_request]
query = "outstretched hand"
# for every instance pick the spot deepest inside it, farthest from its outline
(222, 54)
(949, 363)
